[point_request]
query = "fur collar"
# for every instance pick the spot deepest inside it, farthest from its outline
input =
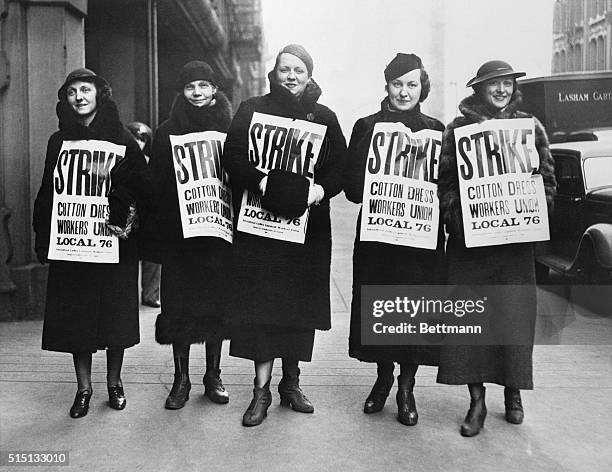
(304, 104)
(477, 111)
(190, 119)
(106, 125)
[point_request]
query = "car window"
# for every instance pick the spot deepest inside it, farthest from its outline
(569, 178)
(597, 172)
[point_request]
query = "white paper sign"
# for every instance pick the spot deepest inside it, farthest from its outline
(205, 200)
(280, 143)
(400, 200)
(502, 200)
(81, 182)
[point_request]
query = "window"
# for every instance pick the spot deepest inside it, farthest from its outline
(592, 57)
(591, 8)
(601, 54)
(578, 57)
(569, 179)
(597, 172)
(557, 62)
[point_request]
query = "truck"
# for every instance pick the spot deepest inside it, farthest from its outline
(570, 104)
(576, 110)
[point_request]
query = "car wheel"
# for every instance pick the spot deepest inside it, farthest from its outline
(541, 272)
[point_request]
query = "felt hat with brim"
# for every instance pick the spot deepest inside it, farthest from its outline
(84, 74)
(493, 69)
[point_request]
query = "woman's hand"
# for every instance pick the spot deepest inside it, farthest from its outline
(315, 194)
(262, 185)
(42, 254)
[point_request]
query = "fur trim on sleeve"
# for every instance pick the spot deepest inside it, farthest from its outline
(448, 181)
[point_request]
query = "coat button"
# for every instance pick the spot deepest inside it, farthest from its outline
(310, 117)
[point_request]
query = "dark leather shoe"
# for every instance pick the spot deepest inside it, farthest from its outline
(378, 395)
(258, 408)
(116, 397)
(406, 406)
(514, 405)
(214, 389)
(152, 303)
(475, 418)
(179, 394)
(291, 394)
(80, 406)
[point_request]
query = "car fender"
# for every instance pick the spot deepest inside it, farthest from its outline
(599, 237)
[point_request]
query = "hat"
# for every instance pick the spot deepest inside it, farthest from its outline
(299, 52)
(139, 130)
(195, 70)
(401, 64)
(492, 69)
(84, 74)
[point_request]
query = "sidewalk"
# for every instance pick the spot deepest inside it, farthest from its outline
(568, 417)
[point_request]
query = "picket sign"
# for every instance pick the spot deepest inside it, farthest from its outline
(279, 143)
(502, 196)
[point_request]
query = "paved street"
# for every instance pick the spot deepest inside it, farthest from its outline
(568, 424)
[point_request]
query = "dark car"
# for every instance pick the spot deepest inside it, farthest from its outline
(580, 243)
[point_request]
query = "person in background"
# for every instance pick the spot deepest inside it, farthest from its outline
(92, 306)
(378, 263)
(150, 271)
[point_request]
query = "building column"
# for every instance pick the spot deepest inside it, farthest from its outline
(42, 41)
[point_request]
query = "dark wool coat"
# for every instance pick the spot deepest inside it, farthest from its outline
(501, 265)
(193, 277)
(92, 306)
(277, 283)
(376, 263)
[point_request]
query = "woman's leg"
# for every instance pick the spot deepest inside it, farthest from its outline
(474, 420)
(82, 368)
(514, 405)
(380, 391)
(151, 274)
(114, 362)
(213, 387)
(262, 398)
(406, 405)
(263, 373)
(179, 393)
(289, 388)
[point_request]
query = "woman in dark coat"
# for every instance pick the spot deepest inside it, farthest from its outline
(280, 289)
(496, 96)
(378, 263)
(92, 306)
(192, 281)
